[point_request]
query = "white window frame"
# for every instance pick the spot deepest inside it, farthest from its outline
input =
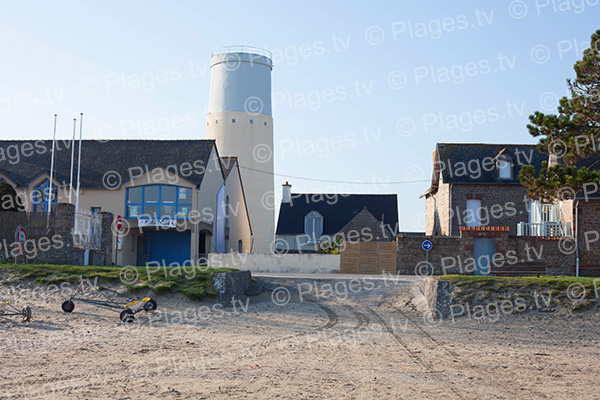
(313, 222)
(504, 165)
(476, 220)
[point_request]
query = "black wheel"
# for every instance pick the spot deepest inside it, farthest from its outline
(127, 316)
(150, 305)
(26, 313)
(68, 306)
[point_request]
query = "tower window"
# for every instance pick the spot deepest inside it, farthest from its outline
(251, 121)
(265, 124)
(216, 121)
(233, 120)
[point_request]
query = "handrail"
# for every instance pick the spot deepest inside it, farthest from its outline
(544, 229)
(241, 49)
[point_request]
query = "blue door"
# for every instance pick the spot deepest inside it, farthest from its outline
(484, 254)
(167, 247)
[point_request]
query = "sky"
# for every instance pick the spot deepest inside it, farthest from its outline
(362, 91)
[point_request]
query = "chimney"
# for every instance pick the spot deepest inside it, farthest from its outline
(287, 193)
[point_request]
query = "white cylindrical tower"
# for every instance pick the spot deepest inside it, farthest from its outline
(240, 120)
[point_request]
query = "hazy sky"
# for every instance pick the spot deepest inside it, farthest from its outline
(362, 91)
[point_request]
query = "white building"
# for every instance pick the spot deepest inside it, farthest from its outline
(240, 121)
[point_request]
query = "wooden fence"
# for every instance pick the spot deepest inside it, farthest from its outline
(368, 258)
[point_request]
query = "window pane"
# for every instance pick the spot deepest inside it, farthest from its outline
(183, 211)
(134, 195)
(151, 194)
(54, 195)
(504, 167)
(39, 208)
(167, 211)
(185, 195)
(151, 211)
(168, 194)
(473, 214)
(134, 211)
(38, 196)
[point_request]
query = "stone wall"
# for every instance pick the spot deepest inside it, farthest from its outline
(454, 254)
(365, 227)
(56, 247)
(437, 208)
(411, 255)
(501, 205)
(589, 234)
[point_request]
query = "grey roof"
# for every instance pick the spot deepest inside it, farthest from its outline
(337, 210)
(227, 164)
(98, 158)
(453, 156)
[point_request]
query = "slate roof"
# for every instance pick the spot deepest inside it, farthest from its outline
(99, 157)
(337, 210)
(452, 155)
(227, 164)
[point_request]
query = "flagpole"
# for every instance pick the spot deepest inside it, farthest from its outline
(72, 160)
(79, 164)
(51, 169)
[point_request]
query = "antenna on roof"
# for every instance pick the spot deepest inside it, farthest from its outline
(498, 155)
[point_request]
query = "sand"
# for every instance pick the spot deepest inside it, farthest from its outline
(371, 342)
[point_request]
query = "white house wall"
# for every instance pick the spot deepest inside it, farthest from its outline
(239, 223)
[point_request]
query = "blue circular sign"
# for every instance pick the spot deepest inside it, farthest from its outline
(427, 245)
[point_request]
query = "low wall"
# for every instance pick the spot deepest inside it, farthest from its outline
(411, 256)
(50, 240)
(299, 263)
(455, 254)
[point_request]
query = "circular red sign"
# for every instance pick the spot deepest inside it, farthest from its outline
(20, 234)
(119, 222)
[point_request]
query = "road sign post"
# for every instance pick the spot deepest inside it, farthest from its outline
(21, 238)
(427, 245)
(118, 225)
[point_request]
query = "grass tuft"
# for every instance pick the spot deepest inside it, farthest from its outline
(194, 282)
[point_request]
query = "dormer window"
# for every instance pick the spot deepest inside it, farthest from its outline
(313, 226)
(504, 164)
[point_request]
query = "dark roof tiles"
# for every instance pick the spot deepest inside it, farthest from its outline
(337, 210)
(128, 158)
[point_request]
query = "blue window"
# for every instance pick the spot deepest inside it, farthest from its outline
(40, 196)
(159, 201)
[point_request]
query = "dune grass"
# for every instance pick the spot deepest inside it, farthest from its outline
(557, 282)
(195, 282)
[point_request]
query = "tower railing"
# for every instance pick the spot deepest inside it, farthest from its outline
(241, 49)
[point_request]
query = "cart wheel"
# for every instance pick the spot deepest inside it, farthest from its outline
(68, 306)
(26, 313)
(127, 316)
(150, 305)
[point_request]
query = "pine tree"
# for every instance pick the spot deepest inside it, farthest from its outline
(572, 135)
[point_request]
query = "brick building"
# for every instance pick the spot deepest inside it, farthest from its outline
(475, 193)
(477, 185)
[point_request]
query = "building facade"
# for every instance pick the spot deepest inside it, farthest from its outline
(172, 196)
(240, 121)
(477, 185)
(306, 220)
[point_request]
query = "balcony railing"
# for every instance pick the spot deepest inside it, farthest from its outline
(544, 229)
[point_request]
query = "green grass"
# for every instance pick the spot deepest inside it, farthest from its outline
(557, 286)
(194, 282)
(555, 282)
